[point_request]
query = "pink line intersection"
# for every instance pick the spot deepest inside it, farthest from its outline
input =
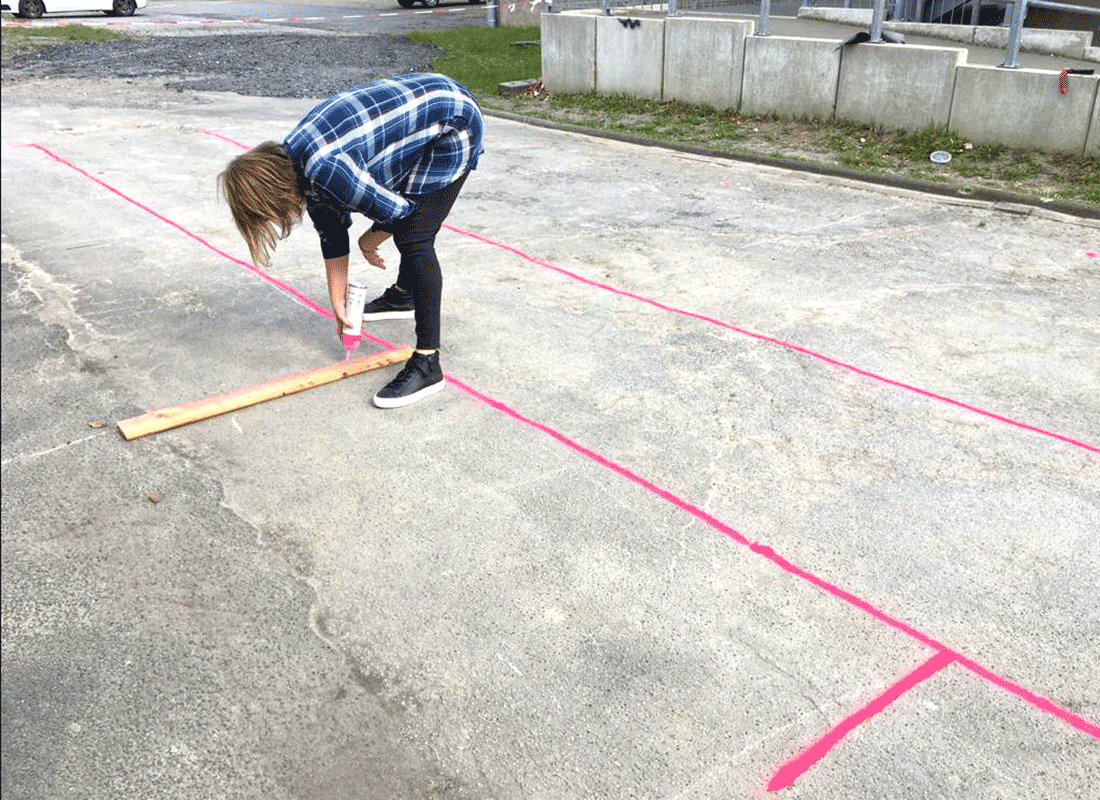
(787, 774)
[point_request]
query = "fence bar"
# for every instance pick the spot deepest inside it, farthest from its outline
(1012, 49)
(876, 20)
(762, 20)
(671, 10)
(1064, 7)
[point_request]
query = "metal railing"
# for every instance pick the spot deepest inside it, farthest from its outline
(1019, 13)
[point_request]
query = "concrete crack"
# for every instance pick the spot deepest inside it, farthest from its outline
(40, 453)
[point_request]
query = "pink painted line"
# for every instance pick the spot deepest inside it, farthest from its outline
(1039, 702)
(846, 596)
(796, 767)
(781, 343)
(301, 298)
(709, 520)
(224, 138)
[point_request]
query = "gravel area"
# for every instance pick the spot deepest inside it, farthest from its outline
(265, 65)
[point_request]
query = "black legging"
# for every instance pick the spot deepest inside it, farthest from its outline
(419, 272)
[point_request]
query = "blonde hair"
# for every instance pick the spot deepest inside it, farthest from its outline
(261, 188)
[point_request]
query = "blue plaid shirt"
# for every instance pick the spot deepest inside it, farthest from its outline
(374, 147)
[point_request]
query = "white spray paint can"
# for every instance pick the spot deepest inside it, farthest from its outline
(356, 298)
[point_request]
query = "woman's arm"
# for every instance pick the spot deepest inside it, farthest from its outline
(336, 269)
(352, 185)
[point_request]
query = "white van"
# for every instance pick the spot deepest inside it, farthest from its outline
(33, 9)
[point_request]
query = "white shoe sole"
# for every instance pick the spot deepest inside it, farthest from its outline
(377, 315)
(409, 399)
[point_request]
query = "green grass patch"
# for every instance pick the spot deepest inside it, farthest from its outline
(868, 156)
(21, 40)
(482, 58)
(973, 169)
(1021, 169)
(919, 144)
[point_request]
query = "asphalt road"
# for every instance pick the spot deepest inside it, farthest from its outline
(633, 551)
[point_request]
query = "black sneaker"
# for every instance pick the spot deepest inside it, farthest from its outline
(419, 378)
(393, 304)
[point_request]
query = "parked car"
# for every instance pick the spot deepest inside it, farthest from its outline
(428, 3)
(33, 9)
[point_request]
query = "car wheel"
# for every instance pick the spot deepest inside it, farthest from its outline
(123, 8)
(406, 3)
(430, 3)
(31, 9)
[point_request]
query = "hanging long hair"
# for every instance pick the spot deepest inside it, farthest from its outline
(261, 189)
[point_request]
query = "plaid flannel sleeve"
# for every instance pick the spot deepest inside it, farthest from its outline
(341, 176)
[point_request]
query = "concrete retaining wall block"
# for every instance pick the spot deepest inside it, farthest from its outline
(899, 86)
(1070, 44)
(568, 52)
(1092, 143)
(630, 54)
(790, 77)
(1023, 108)
(715, 79)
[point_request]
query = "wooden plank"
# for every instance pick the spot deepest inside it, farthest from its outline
(174, 416)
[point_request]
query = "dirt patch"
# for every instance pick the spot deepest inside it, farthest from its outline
(258, 64)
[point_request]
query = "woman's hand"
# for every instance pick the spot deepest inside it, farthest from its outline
(339, 306)
(368, 246)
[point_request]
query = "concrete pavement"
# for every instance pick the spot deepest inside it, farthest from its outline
(534, 585)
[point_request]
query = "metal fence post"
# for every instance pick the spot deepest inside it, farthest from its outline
(876, 20)
(762, 20)
(671, 10)
(492, 11)
(1012, 49)
(606, 8)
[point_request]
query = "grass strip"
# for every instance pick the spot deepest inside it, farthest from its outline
(482, 58)
(16, 40)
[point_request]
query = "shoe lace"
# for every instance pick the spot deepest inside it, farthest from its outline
(393, 296)
(413, 366)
